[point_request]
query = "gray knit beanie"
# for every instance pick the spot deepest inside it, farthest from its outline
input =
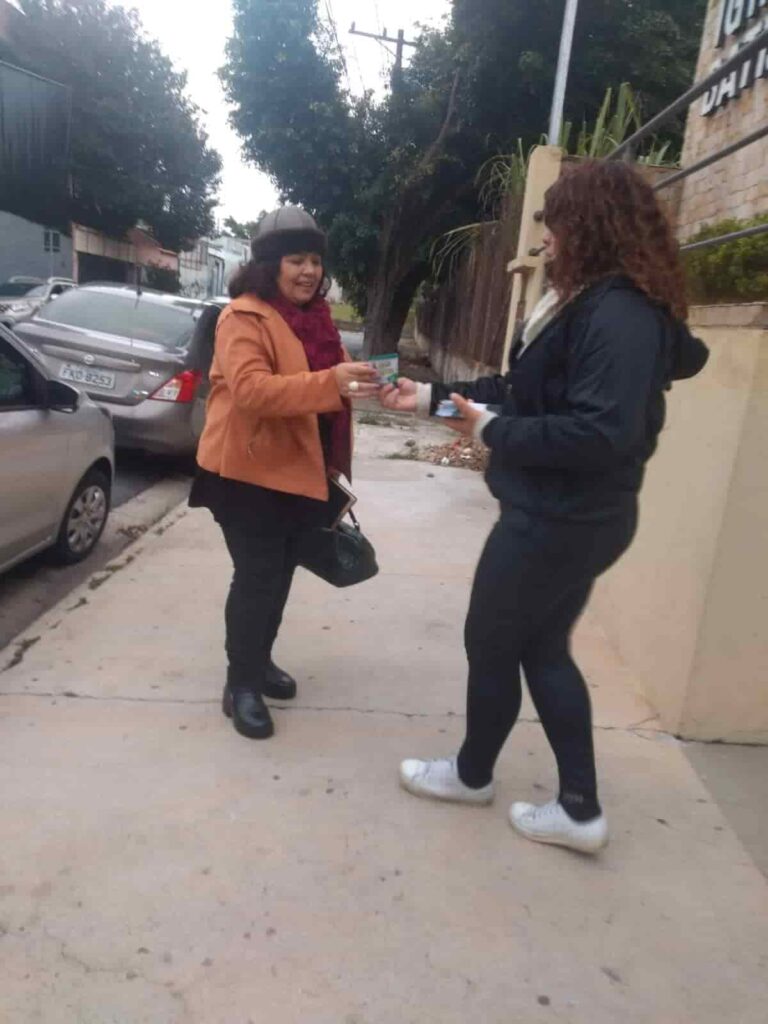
(285, 231)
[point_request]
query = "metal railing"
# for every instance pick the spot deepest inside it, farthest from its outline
(628, 148)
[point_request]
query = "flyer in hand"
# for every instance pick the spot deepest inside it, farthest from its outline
(388, 368)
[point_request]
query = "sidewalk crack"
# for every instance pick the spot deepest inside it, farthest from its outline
(634, 729)
(19, 654)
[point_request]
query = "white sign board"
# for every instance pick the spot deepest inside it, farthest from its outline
(740, 22)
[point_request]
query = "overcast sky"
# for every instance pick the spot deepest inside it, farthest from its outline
(195, 43)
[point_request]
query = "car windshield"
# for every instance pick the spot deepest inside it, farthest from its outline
(124, 314)
(17, 288)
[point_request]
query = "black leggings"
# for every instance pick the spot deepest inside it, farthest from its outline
(532, 583)
(264, 567)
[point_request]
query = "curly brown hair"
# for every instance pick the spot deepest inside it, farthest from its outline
(606, 219)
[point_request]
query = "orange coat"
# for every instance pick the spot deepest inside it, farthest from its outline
(261, 421)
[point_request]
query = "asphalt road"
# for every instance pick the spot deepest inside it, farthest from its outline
(34, 586)
(136, 471)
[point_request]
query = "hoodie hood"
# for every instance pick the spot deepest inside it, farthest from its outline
(689, 354)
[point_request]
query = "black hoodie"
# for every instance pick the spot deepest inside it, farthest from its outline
(581, 408)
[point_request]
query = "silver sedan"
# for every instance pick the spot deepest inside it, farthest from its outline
(56, 462)
(136, 353)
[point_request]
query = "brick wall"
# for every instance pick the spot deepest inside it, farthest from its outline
(737, 186)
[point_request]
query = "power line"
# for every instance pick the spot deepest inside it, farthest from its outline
(359, 70)
(400, 42)
(332, 20)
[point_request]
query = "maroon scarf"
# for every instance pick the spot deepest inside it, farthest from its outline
(313, 326)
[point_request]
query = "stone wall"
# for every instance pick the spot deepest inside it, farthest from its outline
(737, 186)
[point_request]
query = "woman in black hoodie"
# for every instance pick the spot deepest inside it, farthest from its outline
(569, 428)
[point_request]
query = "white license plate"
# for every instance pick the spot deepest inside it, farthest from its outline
(87, 376)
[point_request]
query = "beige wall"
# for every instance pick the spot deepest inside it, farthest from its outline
(687, 608)
(738, 186)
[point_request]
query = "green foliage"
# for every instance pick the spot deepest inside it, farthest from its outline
(653, 44)
(504, 175)
(734, 272)
(343, 312)
(138, 149)
(616, 121)
(502, 179)
(388, 178)
(236, 229)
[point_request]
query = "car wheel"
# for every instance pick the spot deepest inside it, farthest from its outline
(84, 520)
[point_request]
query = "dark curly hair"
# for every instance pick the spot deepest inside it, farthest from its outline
(260, 278)
(606, 219)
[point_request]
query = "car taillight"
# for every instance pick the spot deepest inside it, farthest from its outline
(181, 388)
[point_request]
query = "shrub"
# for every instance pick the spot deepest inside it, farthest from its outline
(734, 272)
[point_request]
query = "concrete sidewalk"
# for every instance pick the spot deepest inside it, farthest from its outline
(155, 867)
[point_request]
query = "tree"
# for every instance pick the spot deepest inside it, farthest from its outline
(389, 177)
(235, 229)
(138, 151)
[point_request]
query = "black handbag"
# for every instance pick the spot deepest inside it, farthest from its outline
(341, 555)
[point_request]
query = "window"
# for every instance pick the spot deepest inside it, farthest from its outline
(162, 322)
(52, 241)
(16, 381)
(15, 289)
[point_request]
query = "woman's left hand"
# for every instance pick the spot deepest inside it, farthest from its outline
(469, 417)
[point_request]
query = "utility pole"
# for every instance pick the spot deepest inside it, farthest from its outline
(563, 67)
(399, 41)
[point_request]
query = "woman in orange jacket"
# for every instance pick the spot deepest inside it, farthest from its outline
(278, 423)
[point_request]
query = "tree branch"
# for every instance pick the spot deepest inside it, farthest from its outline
(439, 142)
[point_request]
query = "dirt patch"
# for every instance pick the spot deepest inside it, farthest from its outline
(461, 454)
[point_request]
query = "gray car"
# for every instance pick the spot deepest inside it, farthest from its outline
(56, 462)
(137, 354)
(20, 297)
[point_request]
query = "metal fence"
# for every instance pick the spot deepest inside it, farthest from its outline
(628, 149)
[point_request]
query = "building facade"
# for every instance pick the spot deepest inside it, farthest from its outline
(205, 270)
(734, 107)
(32, 249)
(100, 258)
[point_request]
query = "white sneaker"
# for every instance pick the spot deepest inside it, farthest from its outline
(439, 780)
(549, 823)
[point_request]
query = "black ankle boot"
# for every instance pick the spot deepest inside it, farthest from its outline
(278, 685)
(250, 715)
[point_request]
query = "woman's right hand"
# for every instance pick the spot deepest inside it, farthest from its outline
(402, 397)
(356, 380)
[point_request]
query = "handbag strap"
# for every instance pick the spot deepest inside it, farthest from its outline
(355, 521)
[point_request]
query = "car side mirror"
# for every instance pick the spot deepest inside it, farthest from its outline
(61, 397)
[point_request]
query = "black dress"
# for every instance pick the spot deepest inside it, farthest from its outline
(261, 509)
